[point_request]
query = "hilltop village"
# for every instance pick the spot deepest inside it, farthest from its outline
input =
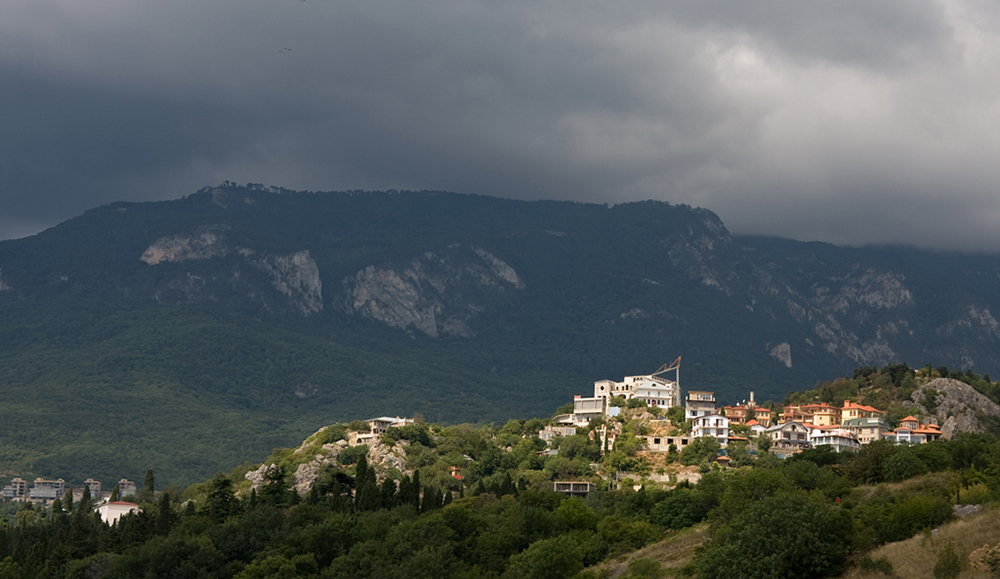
(639, 431)
(796, 428)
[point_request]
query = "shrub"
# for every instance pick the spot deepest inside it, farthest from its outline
(950, 563)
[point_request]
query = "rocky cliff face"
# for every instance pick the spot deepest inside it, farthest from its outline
(204, 243)
(297, 277)
(956, 405)
(437, 293)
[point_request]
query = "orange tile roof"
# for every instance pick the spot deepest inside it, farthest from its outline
(910, 418)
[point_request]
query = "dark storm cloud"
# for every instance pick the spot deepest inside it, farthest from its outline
(850, 122)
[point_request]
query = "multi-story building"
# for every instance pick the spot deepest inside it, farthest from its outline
(95, 488)
(653, 389)
(713, 425)
(699, 403)
(736, 414)
(839, 439)
(867, 430)
(852, 410)
(47, 490)
(788, 437)
(17, 490)
(126, 488)
(383, 423)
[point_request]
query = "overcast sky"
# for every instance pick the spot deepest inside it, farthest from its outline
(850, 122)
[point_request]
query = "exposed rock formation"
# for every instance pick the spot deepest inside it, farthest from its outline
(380, 456)
(297, 277)
(204, 243)
(436, 293)
(955, 405)
(783, 353)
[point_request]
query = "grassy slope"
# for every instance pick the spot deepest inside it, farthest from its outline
(915, 558)
(672, 553)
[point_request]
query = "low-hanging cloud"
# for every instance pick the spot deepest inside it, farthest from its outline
(850, 122)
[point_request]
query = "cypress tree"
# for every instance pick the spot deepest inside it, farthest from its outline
(405, 492)
(415, 489)
(388, 493)
(148, 491)
(165, 517)
(85, 498)
(115, 494)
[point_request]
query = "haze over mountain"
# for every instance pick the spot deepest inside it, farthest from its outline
(190, 335)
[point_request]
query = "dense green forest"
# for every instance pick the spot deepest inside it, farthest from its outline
(813, 515)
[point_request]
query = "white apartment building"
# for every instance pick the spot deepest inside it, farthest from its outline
(713, 425)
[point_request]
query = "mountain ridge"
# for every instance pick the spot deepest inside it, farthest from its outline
(328, 306)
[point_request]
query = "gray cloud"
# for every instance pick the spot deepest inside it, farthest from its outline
(848, 122)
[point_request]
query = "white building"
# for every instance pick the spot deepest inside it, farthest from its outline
(111, 512)
(551, 432)
(383, 423)
(840, 439)
(653, 389)
(713, 425)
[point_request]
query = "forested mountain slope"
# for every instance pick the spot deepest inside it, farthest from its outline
(190, 335)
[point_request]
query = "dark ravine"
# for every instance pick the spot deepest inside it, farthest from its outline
(264, 312)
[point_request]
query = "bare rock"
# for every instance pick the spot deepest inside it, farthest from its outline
(956, 405)
(436, 293)
(783, 353)
(297, 276)
(204, 243)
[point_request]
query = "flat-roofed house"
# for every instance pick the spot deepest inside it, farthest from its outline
(867, 430)
(113, 511)
(712, 425)
(699, 403)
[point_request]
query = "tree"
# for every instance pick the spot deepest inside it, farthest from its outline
(787, 535)
(275, 489)
(704, 447)
(221, 498)
(148, 492)
(555, 558)
(675, 414)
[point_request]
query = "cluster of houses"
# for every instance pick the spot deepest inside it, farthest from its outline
(45, 491)
(797, 427)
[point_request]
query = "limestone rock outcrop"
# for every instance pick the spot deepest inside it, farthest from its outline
(955, 405)
(380, 456)
(437, 293)
(297, 277)
(204, 243)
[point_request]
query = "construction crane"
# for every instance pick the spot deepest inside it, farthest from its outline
(675, 365)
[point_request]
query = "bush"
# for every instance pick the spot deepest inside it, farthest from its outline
(950, 563)
(352, 454)
(882, 565)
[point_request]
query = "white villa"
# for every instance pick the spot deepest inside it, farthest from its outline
(713, 425)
